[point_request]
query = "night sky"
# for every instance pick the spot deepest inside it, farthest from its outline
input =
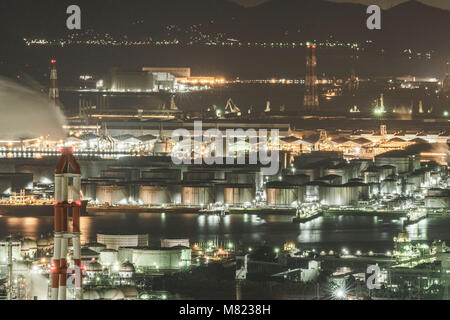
(383, 3)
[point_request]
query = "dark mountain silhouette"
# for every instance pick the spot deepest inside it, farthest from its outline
(410, 24)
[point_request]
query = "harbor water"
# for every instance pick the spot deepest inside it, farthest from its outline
(327, 233)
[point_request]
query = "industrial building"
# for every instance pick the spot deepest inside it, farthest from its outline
(115, 241)
(157, 258)
(137, 81)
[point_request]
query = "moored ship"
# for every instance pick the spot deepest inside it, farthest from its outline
(30, 206)
(415, 215)
(307, 212)
(216, 210)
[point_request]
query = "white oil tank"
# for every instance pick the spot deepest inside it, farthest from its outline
(109, 257)
(154, 195)
(112, 194)
(235, 195)
(197, 195)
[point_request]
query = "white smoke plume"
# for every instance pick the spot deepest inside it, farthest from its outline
(27, 113)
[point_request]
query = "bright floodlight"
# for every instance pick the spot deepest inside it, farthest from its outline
(339, 293)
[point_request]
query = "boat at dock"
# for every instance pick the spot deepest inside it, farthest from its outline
(216, 210)
(21, 205)
(307, 212)
(415, 215)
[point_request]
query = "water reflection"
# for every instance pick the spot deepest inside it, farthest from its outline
(418, 231)
(29, 227)
(334, 233)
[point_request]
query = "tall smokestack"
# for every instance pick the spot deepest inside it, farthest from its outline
(66, 168)
(311, 100)
(53, 92)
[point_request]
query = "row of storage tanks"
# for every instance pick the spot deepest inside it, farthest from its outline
(120, 249)
(276, 194)
(197, 187)
(163, 187)
(284, 194)
(385, 181)
(189, 195)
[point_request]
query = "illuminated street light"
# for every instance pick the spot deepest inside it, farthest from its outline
(340, 293)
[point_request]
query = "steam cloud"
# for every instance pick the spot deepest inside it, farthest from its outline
(26, 113)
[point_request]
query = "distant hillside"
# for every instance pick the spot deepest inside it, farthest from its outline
(411, 24)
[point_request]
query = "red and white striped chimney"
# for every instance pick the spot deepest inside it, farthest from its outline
(66, 169)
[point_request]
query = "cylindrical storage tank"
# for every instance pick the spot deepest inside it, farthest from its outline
(332, 195)
(344, 173)
(109, 257)
(93, 269)
(301, 195)
(175, 193)
(281, 194)
(374, 188)
(395, 158)
(416, 179)
(115, 241)
(154, 195)
(312, 191)
(161, 258)
(112, 194)
(125, 254)
(29, 248)
(371, 176)
(126, 270)
(197, 195)
(97, 247)
(238, 194)
(390, 186)
(343, 195)
(16, 248)
(409, 188)
(44, 244)
(386, 170)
